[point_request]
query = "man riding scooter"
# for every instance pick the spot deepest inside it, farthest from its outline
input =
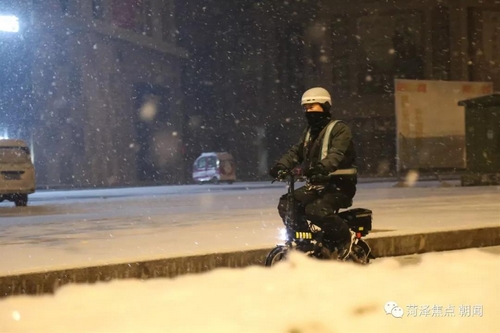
(325, 147)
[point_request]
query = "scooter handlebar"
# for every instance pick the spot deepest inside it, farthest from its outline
(293, 175)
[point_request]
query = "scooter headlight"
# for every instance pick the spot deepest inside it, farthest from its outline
(283, 235)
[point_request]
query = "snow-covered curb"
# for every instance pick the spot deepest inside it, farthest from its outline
(445, 292)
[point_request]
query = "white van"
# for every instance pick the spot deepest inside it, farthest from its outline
(214, 167)
(17, 173)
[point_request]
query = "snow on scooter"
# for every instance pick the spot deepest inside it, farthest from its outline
(311, 241)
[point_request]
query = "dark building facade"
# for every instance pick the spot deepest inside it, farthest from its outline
(251, 61)
(100, 93)
(129, 92)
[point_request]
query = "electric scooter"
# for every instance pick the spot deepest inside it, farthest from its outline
(310, 241)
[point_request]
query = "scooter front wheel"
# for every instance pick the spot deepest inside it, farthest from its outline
(276, 255)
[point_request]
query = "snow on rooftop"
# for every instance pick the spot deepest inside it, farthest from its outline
(445, 292)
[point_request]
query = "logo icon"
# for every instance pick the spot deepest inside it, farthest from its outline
(393, 309)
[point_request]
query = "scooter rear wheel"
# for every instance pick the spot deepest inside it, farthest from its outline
(276, 255)
(360, 253)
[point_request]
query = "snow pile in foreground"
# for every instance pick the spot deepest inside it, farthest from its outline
(446, 292)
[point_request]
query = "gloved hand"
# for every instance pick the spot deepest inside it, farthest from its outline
(316, 171)
(275, 170)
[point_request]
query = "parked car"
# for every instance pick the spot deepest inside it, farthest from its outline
(214, 167)
(17, 173)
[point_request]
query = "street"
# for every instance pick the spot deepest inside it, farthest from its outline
(78, 228)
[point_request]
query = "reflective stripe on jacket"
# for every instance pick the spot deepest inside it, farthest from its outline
(333, 147)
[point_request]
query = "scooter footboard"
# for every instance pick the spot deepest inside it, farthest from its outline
(358, 219)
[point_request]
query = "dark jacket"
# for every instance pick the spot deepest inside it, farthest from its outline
(340, 155)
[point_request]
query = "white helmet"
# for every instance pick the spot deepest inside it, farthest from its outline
(316, 95)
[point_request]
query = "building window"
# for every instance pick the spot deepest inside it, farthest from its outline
(124, 13)
(167, 28)
(341, 52)
(491, 39)
(291, 61)
(441, 43)
(64, 6)
(98, 9)
(75, 81)
(148, 18)
(390, 46)
(145, 18)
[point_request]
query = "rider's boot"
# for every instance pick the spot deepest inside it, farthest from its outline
(327, 250)
(327, 253)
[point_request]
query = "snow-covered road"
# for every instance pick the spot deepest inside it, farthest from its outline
(62, 229)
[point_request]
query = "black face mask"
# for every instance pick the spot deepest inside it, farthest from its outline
(317, 120)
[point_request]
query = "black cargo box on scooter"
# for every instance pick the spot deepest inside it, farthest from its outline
(358, 219)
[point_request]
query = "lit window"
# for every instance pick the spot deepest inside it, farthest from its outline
(9, 23)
